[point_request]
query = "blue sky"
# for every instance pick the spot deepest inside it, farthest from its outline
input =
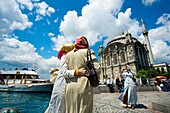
(32, 31)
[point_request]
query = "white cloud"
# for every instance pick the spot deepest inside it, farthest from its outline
(50, 10)
(43, 9)
(159, 37)
(26, 3)
(38, 17)
(164, 19)
(56, 20)
(149, 2)
(58, 42)
(99, 20)
(12, 18)
(17, 53)
(42, 48)
(50, 34)
(161, 51)
(128, 24)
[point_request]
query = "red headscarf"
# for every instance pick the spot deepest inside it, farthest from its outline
(81, 43)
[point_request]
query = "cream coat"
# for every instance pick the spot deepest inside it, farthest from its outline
(79, 92)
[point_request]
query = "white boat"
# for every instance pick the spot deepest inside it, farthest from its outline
(24, 80)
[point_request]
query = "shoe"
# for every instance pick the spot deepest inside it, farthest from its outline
(125, 106)
(133, 107)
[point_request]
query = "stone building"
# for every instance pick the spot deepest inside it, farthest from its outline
(120, 51)
(162, 67)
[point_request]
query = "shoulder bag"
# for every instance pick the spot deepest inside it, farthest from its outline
(91, 72)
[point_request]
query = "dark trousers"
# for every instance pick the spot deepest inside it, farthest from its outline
(125, 100)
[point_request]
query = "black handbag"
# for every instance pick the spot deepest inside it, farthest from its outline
(91, 72)
(134, 79)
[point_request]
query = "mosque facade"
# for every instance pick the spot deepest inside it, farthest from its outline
(123, 50)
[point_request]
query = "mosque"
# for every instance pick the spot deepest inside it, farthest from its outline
(124, 50)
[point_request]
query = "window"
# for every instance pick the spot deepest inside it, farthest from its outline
(115, 59)
(18, 76)
(122, 55)
(108, 61)
(36, 76)
(29, 77)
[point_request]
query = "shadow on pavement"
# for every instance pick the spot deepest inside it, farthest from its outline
(140, 106)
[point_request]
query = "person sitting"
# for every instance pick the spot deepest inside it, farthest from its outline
(157, 84)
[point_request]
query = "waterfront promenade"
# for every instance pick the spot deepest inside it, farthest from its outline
(109, 102)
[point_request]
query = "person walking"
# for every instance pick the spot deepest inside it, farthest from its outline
(79, 92)
(129, 96)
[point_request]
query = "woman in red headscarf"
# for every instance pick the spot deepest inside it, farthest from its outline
(79, 92)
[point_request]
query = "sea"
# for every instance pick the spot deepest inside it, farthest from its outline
(25, 102)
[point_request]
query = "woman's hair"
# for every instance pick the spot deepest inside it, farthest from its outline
(65, 49)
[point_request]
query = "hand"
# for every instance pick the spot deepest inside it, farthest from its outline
(82, 71)
(123, 70)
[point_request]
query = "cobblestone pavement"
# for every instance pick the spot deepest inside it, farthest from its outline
(109, 102)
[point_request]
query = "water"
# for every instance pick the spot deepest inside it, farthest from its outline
(25, 102)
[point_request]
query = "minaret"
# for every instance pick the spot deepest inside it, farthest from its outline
(145, 34)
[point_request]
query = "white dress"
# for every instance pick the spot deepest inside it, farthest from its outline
(57, 102)
(130, 86)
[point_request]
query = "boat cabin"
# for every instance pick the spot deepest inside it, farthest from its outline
(24, 76)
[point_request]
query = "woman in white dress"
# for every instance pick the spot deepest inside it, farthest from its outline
(129, 95)
(57, 103)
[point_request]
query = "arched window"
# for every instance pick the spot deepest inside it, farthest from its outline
(122, 55)
(108, 61)
(158, 70)
(115, 59)
(162, 70)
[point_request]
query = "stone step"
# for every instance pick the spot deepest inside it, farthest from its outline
(96, 90)
(113, 88)
(162, 105)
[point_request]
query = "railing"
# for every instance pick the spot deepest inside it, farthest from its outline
(145, 81)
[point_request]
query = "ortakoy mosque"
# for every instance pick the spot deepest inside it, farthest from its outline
(124, 50)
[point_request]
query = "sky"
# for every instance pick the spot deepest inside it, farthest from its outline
(32, 31)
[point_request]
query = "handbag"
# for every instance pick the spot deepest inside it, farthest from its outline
(91, 72)
(134, 79)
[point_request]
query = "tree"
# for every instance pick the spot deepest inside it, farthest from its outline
(151, 72)
(142, 73)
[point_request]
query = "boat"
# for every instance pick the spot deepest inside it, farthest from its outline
(24, 80)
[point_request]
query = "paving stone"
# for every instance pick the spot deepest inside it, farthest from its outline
(109, 102)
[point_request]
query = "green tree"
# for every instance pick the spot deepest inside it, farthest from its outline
(142, 73)
(151, 72)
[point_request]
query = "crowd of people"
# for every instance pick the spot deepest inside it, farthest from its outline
(162, 84)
